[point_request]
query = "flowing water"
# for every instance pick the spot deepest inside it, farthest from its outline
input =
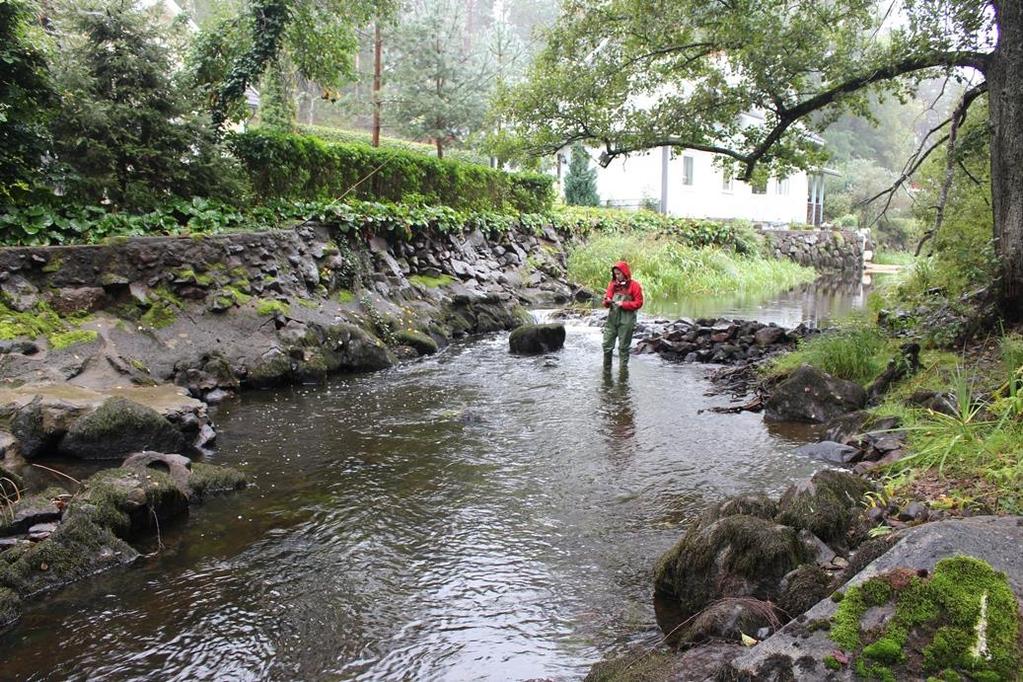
(472, 516)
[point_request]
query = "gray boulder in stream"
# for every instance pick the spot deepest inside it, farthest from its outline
(536, 339)
(810, 395)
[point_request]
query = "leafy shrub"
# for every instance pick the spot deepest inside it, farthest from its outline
(335, 135)
(286, 166)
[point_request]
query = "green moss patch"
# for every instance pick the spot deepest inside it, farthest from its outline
(345, 296)
(431, 282)
(963, 619)
(272, 307)
(63, 340)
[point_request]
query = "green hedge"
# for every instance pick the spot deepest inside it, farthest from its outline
(289, 166)
(335, 135)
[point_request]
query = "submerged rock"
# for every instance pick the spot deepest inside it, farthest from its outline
(810, 395)
(537, 339)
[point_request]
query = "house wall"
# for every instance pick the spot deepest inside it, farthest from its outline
(628, 181)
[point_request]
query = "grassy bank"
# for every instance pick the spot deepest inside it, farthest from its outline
(668, 269)
(971, 457)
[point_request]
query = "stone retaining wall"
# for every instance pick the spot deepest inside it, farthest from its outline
(824, 250)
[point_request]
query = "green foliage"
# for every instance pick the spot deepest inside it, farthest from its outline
(962, 254)
(63, 340)
(125, 132)
(338, 135)
(581, 180)
(25, 94)
(41, 224)
(276, 104)
(856, 351)
(903, 258)
(300, 167)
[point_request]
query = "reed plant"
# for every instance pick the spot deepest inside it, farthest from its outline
(855, 350)
(668, 269)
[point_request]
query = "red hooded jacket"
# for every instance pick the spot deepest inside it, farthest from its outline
(630, 287)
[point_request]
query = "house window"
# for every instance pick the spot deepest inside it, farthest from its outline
(687, 171)
(727, 181)
(758, 186)
(782, 186)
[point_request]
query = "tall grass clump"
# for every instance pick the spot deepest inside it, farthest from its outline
(669, 270)
(855, 350)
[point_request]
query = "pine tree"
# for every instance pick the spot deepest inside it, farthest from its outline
(581, 180)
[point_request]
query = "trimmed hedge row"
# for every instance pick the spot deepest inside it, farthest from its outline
(336, 135)
(288, 166)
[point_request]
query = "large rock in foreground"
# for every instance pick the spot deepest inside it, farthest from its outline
(804, 650)
(722, 562)
(536, 339)
(810, 395)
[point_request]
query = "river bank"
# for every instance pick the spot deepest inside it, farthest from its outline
(160, 331)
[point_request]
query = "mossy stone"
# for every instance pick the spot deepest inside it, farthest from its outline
(119, 427)
(78, 548)
(211, 479)
(10, 607)
(803, 587)
(735, 556)
(826, 505)
(422, 343)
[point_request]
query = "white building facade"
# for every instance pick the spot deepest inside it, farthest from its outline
(691, 184)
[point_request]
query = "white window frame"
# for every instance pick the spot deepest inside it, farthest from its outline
(781, 186)
(688, 170)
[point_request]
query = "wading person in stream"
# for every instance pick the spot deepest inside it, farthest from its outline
(624, 297)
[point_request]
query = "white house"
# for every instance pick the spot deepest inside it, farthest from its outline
(690, 184)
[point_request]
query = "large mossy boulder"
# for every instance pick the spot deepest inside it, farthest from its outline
(733, 557)
(810, 395)
(826, 505)
(537, 339)
(119, 427)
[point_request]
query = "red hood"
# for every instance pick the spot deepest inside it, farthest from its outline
(624, 267)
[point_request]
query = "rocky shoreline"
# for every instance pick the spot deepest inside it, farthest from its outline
(752, 589)
(126, 347)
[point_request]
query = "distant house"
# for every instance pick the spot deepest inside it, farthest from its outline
(689, 183)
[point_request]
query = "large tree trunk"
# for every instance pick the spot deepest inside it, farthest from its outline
(1005, 93)
(377, 70)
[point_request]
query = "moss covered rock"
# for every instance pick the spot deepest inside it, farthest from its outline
(211, 479)
(826, 505)
(419, 341)
(79, 547)
(962, 621)
(736, 556)
(129, 501)
(10, 607)
(119, 427)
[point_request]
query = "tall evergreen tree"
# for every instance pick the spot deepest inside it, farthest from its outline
(24, 96)
(438, 82)
(126, 133)
(581, 180)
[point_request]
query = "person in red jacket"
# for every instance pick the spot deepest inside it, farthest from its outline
(624, 296)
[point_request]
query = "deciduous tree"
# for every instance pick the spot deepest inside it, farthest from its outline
(633, 75)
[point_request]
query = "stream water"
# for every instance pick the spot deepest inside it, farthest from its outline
(472, 516)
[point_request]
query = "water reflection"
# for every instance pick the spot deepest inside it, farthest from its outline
(812, 303)
(619, 427)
